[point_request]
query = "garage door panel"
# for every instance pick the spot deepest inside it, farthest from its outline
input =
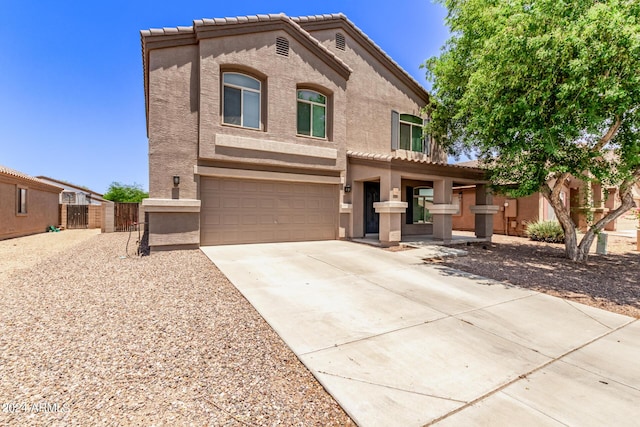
(210, 219)
(267, 203)
(244, 211)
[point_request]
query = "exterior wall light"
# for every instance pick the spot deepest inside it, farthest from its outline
(176, 180)
(347, 188)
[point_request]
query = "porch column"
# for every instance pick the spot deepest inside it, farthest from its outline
(442, 209)
(390, 208)
(484, 211)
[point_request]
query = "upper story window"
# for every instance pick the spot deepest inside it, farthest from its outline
(406, 133)
(312, 114)
(241, 100)
(411, 133)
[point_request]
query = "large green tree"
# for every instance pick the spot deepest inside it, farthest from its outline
(542, 91)
(125, 193)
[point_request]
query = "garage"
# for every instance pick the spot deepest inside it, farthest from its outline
(250, 211)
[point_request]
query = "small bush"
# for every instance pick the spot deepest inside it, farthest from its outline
(545, 231)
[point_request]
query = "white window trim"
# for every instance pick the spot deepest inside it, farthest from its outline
(415, 189)
(423, 139)
(242, 89)
(312, 103)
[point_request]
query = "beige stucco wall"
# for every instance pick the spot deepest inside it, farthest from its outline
(255, 55)
(372, 92)
(173, 120)
(42, 208)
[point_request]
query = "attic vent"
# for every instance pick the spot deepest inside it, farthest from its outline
(340, 43)
(282, 46)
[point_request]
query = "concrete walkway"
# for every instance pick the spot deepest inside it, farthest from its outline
(401, 343)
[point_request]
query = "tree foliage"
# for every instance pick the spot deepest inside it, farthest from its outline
(542, 91)
(125, 193)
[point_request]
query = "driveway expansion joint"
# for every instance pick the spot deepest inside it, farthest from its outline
(449, 399)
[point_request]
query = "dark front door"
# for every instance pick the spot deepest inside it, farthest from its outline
(371, 218)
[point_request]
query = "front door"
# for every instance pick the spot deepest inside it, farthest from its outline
(371, 217)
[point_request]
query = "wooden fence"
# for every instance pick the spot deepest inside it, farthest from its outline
(77, 216)
(126, 216)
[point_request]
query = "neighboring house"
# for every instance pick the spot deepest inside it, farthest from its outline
(74, 194)
(28, 205)
(514, 214)
(269, 128)
(86, 211)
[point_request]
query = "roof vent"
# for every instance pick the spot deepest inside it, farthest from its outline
(282, 46)
(340, 43)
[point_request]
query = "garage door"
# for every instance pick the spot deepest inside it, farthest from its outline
(246, 211)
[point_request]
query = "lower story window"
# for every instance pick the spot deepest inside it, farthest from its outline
(422, 201)
(22, 200)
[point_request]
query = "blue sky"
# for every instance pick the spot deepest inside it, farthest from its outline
(71, 92)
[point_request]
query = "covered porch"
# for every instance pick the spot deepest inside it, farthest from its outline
(395, 199)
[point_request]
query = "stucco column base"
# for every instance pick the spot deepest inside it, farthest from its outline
(173, 223)
(442, 220)
(484, 220)
(390, 222)
(442, 225)
(346, 212)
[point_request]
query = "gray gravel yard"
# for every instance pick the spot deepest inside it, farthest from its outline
(90, 338)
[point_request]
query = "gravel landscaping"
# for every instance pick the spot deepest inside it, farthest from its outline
(610, 282)
(90, 337)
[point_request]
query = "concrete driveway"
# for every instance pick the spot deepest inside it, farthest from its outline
(401, 343)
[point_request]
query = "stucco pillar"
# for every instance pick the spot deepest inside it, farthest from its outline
(484, 211)
(442, 209)
(108, 223)
(390, 208)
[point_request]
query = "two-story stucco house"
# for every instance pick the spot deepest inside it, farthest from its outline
(269, 128)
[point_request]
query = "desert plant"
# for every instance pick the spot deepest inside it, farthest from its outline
(545, 231)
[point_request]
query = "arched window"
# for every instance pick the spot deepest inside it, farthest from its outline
(422, 201)
(241, 100)
(312, 114)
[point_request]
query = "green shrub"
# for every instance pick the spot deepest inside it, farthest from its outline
(545, 231)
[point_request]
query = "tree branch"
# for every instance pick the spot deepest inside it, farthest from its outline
(609, 135)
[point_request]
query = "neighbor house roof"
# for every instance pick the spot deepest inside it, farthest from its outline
(17, 174)
(68, 184)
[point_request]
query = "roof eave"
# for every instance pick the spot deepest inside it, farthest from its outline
(321, 22)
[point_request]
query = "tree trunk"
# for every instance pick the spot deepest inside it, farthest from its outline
(580, 252)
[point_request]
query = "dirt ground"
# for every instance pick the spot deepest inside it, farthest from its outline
(610, 282)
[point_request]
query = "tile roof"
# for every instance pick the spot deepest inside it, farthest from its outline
(12, 172)
(185, 32)
(342, 18)
(198, 23)
(390, 157)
